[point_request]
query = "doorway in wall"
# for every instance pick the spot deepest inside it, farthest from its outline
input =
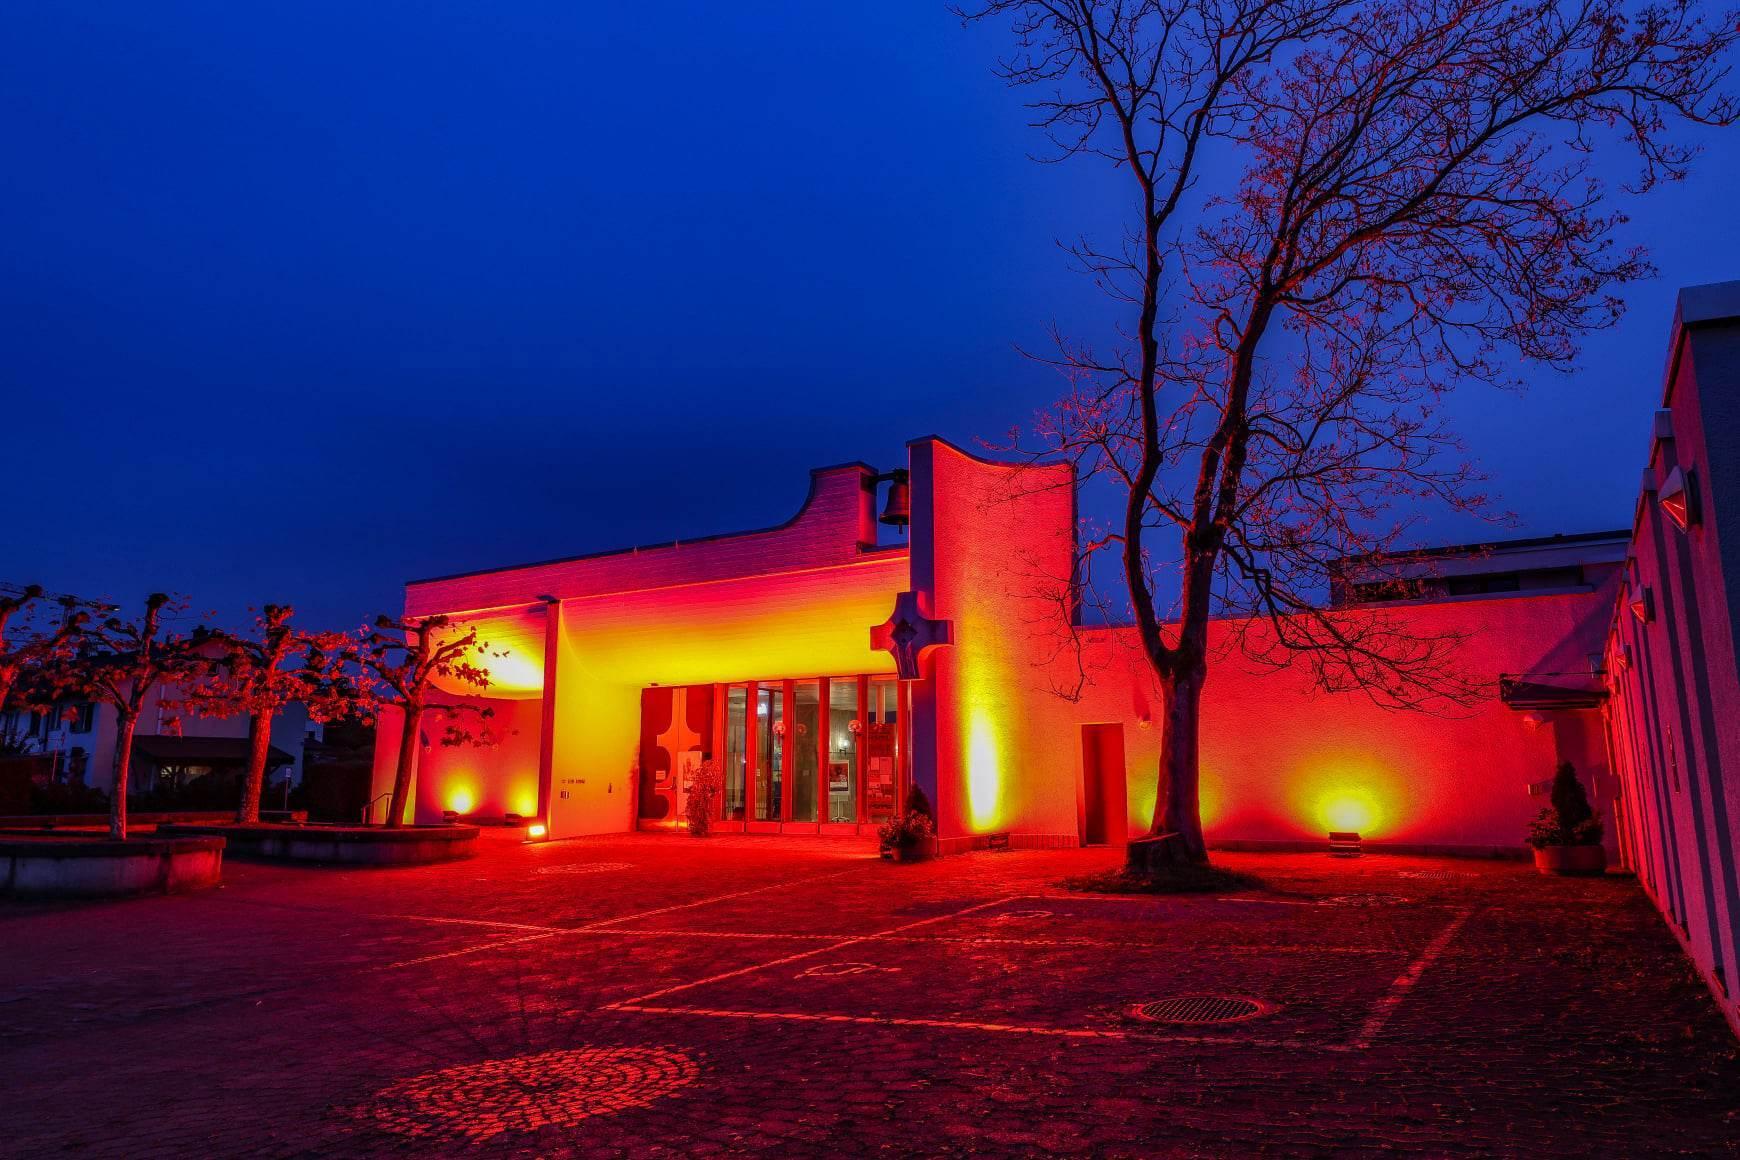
(1105, 811)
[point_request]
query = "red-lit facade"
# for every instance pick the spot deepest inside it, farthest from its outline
(825, 672)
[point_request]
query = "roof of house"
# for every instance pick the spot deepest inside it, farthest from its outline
(166, 750)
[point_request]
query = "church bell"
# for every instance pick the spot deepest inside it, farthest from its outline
(897, 509)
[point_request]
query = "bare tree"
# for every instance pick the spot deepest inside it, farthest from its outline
(118, 662)
(402, 660)
(1409, 210)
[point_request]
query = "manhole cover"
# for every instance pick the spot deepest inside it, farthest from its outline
(526, 1092)
(585, 868)
(1195, 1009)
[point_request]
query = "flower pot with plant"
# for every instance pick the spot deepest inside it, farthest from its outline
(911, 836)
(1567, 834)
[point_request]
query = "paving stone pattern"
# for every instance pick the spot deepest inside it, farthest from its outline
(665, 996)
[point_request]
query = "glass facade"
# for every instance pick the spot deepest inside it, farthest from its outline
(810, 750)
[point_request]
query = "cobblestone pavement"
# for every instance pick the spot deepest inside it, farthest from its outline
(652, 996)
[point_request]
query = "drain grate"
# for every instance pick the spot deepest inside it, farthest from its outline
(1195, 1009)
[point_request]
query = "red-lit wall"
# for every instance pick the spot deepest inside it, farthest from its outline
(1674, 716)
(992, 552)
(1283, 761)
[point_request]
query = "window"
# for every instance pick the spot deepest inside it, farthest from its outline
(882, 750)
(736, 760)
(805, 749)
(842, 770)
(82, 717)
(769, 752)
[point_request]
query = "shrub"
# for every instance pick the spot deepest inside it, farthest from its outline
(705, 782)
(1569, 821)
(913, 828)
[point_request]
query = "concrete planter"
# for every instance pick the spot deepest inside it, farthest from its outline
(1571, 860)
(101, 868)
(343, 845)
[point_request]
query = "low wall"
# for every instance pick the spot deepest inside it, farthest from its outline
(23, 823)
(343, 845)
(100, 868)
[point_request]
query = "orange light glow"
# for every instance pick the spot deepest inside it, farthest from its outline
(1209, 803)
(537, 831)
(984, 773)
(461, 800)
(1349, 808)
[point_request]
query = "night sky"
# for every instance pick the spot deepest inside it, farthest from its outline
(298, 302)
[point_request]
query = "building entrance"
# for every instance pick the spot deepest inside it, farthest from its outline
(796, 755)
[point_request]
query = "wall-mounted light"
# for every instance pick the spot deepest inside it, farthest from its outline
(1678, 498)
(1643, 605)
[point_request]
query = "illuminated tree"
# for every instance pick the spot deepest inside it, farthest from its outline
(258, 677)
(14, 657)
(1338, 211)
(401, 660)
(118, 662)
(27, 659)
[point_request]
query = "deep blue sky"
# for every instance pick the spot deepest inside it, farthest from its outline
(300, 301)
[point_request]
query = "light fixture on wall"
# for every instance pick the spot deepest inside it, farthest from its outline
(1679, 499)
(1643, 605)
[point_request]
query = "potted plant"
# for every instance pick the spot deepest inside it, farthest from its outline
(911, 836)
(1567, 834)
(702, 802)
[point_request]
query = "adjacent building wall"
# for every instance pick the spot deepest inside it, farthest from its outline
(1674, 716)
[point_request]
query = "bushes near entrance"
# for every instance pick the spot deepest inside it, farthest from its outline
(914, 831)
(705, 782)
(1569, 821)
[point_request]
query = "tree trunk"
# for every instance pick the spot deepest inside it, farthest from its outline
(408, 737)
(1175, 838)
(259, 748)
(123, 771)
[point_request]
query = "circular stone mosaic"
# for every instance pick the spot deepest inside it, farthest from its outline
(523, 1093)
(585, 868)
